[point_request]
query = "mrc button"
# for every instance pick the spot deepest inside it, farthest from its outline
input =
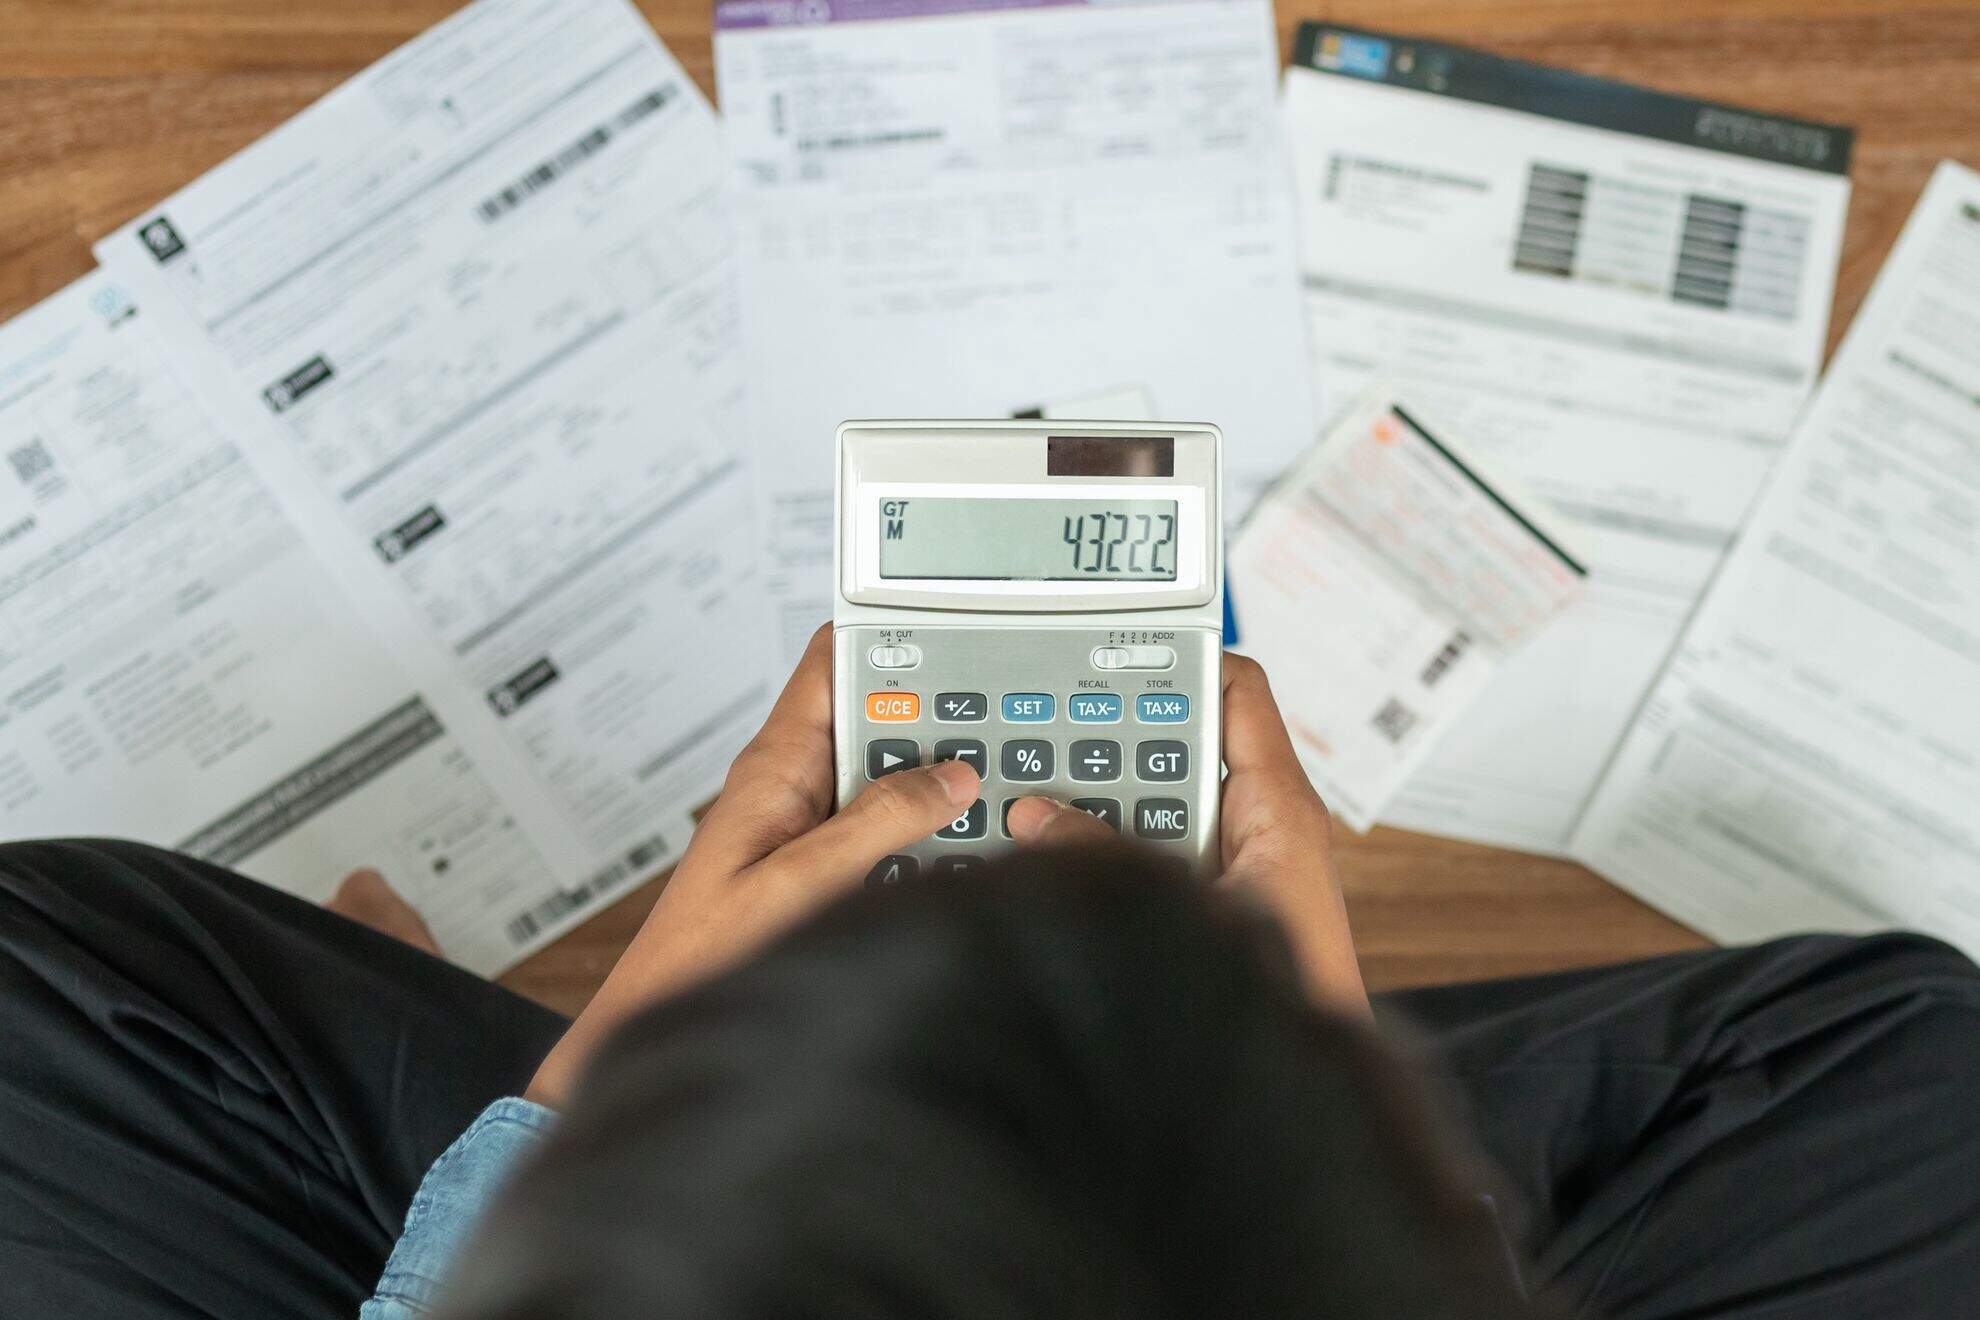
(893, 707)
(1161, 818)
(1161, 708)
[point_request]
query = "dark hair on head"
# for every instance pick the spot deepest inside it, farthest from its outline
(1075, 1085)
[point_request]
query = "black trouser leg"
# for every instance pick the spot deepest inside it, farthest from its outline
(215, 1099)
(1782, 1131)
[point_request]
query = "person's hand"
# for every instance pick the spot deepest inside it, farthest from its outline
(1275, 835)
(768, 853)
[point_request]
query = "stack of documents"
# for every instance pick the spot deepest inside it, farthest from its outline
(443, 483)
(968, 208)
(384, 500)
(1810, 758)
(1618, 297)
(1386, 581)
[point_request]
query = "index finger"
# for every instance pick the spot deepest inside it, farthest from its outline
(780, 784)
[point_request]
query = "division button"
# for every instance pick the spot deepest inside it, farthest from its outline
(1164, 761)
(893, 870)
(961, 707)
(1161, 708)
(1095, 760)
(966, 750)
(1027, 760)
(894, 657)
(886, 755)
(1027, 707)
(970, 825)
(1105, 810)
(893, 707)
(1093, 707)
(1161, 818)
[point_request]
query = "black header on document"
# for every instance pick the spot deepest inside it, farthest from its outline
(1578, 98)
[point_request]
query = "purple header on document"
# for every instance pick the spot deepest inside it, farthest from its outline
(797, 13)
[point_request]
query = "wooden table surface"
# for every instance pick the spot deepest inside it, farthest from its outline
(108, 105)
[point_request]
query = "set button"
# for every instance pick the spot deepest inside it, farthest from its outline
(1028, 707)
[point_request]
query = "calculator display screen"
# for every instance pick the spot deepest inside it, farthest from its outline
(1052, 540)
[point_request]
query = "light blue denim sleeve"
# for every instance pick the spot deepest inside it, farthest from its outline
(449, 1204)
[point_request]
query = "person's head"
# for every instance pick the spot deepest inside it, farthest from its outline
(1078, 1085)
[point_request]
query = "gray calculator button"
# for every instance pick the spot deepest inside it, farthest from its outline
(955, 864)
(1161, 818)
(1008, 804)
(1095, 760)
(1027, 760)
(1106, 810)
(894, 870)
(886, 755)
(962, 707)
(968, 750)
(970, 825)
(1163, 761)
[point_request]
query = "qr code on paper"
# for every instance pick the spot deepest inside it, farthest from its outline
(30, 461)
(1394, 720)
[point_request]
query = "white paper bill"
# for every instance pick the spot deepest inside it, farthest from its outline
(472, 317)
(177, 667)
(1617, 297)
(972, 207)
(1382, 585)
(1811, 757)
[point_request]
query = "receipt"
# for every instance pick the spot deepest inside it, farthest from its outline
(1810, 759)
(976, 207)
(1618, 297)
(178, 668)
(1382, 585)
(472, 317)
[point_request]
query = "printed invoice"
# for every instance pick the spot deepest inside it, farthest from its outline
(1617, 297)
(178, 668)
(964, 207)
(1811, 757)
(472, 318)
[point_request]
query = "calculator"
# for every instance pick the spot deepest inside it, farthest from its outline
(1041, 599)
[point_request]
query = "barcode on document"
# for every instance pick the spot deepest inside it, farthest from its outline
(887, 138)
(499, 205)
(527, 924)
(1445, 658)
(1394, 720)
(30, 460)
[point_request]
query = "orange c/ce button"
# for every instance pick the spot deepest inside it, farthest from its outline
(893, 707)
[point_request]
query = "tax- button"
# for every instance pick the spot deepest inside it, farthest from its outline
(1093, 707)
(1162, 762)
(1161, 818)
(1027, 707)
(893, 707)
(1161, 708)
